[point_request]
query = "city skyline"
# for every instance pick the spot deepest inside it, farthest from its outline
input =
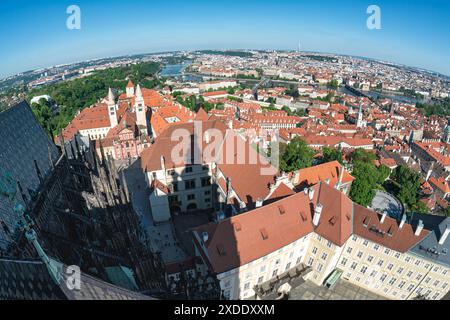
(157, 27)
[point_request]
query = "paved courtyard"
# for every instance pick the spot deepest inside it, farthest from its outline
(162, 237)
(342, 291)
(385, 202)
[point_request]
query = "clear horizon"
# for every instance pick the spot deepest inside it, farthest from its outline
(37, 37)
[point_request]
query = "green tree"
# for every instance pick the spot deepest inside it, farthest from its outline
(409, 184)
(366, 179)
(361, 155)
(298, 155)
(383, 174)
(331, 154)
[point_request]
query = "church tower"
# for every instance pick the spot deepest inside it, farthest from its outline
(446, 136)
(140, 108)
(360, 123)
(130, 89)
(112, 109)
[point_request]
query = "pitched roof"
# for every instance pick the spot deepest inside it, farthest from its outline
(163, 146)
(247, 237)
(336, 219)
(367, 225)
(330, 170)
(201, 115)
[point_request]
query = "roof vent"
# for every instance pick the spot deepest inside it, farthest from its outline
(237, 226)
(281, 209)
(221, 250)
(303, 215)
(264, 234)
(366, 222)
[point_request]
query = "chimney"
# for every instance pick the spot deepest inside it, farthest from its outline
(259, 202)
(430, 172)
(341, 177)
(383, 217)
(317, 214)
(207, 137)
(402, 222)
(205, 237)
(444, 235)
(305, 191)
(163, 163)
(419, 228)
(311, 194)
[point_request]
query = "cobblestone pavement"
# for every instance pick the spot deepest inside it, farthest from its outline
(162, 237)
(342, 291)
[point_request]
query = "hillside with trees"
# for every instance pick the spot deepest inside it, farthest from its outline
(75, 95)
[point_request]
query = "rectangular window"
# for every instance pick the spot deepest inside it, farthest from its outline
(392, 281)
(189, 184)
(324, 256)
(354, 265)
(349, 250)
(370, 259)
(274, 273)
(310, 261)
(319, 267)
(191, 197)
(360, 254)
(363, 270)
(314, 251)
(344, 261)
(260, 280)
(189, 169)
(288, 266)
(206, 182)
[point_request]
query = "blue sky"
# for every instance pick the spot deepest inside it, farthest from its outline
(34, 33)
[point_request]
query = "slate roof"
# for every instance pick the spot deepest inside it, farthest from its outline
(30, 280)
(22, 141)
(429, 247)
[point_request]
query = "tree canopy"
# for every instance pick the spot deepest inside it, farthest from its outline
(331, 154)
(409, 183)
(298, 155)
(72, 96)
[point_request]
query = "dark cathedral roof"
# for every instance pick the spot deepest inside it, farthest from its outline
(31, 280)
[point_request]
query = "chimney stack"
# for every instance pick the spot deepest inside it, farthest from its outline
(317, 214)
(419, 228)
(402, 222)
(311, 194)
(341, 178)
(205, 237)
(259, 203)
(444, 235)
(383, 217)
(163, 163)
